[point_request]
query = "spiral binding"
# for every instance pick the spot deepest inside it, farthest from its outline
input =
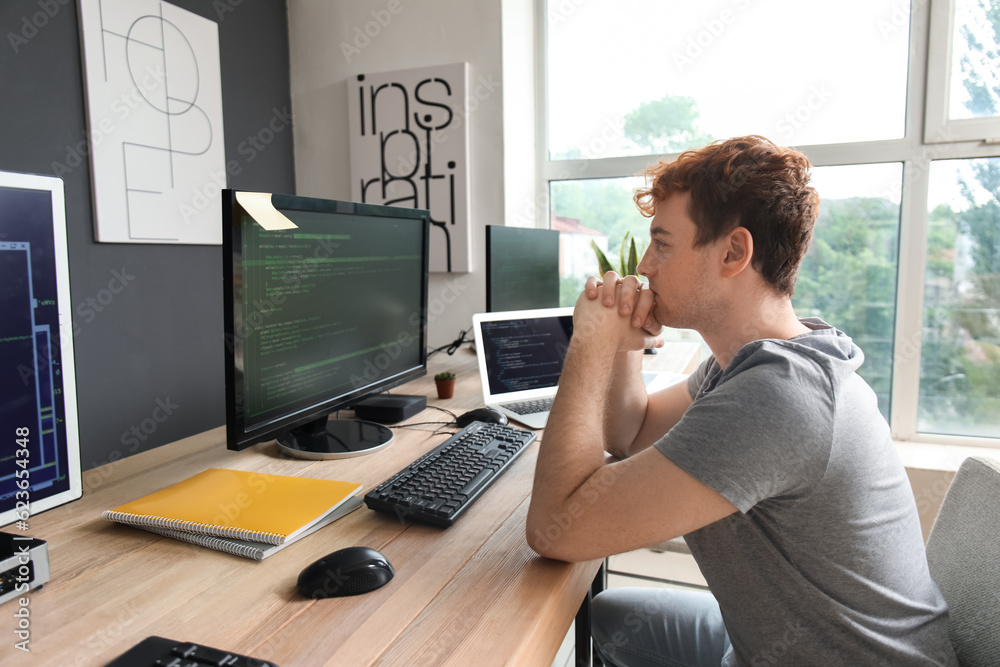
(217, 543)
(192, 527)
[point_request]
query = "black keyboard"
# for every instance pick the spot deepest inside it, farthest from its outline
(161, 652)
(438, 487)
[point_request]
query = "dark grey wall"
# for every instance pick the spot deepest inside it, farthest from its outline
(148, 318)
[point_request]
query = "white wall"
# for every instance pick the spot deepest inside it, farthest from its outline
(333, 40)
(523, 206)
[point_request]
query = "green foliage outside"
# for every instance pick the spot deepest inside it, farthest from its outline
(602, 204)
(666, 125)
(980, 60)
(848, 279)
(960, 354)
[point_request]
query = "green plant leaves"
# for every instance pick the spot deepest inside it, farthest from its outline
(602, 260)
(628, 257)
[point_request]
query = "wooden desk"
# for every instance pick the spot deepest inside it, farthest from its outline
(674, 357)
(473, 594)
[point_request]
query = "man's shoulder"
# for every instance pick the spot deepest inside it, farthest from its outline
(772, 362)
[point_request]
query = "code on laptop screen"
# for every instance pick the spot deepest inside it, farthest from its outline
(525, 354)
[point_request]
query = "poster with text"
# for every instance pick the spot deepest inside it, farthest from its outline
(410, 147)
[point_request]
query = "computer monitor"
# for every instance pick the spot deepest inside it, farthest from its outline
(325, 305)
(522, 268)
(40, 461)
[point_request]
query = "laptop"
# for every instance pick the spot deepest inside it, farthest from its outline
(521, 354)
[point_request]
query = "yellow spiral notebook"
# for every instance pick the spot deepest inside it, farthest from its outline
(253, 506)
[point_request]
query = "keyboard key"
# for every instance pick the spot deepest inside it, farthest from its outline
(477, 482)
(209, 656)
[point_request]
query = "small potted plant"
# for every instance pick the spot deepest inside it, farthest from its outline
(445, 383)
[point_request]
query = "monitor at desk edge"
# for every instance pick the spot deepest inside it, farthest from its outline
(38, 412)
(325, 305)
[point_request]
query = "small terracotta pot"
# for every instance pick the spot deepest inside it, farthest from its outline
(445, 388)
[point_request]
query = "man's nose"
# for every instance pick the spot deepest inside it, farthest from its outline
(643, 268)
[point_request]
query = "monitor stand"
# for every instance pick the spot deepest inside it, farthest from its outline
(329, 438)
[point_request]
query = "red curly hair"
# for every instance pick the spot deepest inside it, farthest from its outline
(749, 182)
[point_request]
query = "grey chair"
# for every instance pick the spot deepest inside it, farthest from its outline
(963, 552)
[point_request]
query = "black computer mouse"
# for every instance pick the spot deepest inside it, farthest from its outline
(350, 571)
(488, 415)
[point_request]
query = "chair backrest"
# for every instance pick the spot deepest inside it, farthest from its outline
(963, 552)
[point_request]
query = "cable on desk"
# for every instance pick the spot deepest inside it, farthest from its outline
(451, 423)
(437, 407)
(453, 346)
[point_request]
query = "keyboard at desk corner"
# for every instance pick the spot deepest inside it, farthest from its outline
(438, 487)
(161, 652)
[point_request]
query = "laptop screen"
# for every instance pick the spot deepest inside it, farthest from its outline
(525, 353)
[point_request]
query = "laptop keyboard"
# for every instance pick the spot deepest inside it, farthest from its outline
(530, 407)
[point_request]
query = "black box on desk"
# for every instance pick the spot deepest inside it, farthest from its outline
(24, 565)
(389, 409)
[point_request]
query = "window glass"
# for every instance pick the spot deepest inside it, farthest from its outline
(588, 212)
(848, 277)
(960, 350)
(635, 77)
(975, 61)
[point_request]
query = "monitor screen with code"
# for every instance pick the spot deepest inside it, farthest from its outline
(39, 440)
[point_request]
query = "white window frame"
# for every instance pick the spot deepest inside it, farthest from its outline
(915, 153)
(939, 128)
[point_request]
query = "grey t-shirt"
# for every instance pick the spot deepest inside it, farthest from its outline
(824, 564)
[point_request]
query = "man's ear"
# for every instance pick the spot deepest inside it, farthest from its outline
(737, 252)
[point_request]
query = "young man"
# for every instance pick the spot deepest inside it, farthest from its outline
(772, 459)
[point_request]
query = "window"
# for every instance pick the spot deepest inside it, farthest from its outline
(906, 253)
(964, 70)
(960, 363)
(848, 277)
(592, 212)
(626, 77)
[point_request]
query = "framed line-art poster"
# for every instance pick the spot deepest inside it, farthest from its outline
(410, 147)
(154, 110)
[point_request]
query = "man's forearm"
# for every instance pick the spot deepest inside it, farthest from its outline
(572, 445)
(625, 407)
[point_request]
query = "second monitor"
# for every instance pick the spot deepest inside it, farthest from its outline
(326, 306)
(522, 268)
